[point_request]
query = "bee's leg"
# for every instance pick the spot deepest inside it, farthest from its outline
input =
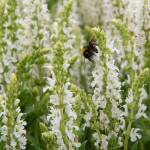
(95, 50)
(91, 60)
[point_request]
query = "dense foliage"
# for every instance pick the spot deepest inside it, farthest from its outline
(52, 97)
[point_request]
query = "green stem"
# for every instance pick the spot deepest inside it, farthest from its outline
(40, 76)
(62, 123)
(36, 135)
(128, 131)
(97, 130)
(141, 145)
(145, 130)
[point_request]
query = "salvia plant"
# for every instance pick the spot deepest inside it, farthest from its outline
(52, 97)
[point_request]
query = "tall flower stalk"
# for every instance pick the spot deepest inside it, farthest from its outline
(107, 97)
(61, 114)
(13, 133)
(8, 50)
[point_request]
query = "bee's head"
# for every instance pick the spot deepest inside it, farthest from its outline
(93, 41)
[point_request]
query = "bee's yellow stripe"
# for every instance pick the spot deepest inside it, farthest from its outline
(83, 50)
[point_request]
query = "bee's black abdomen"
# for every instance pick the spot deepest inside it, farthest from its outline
(87, 54)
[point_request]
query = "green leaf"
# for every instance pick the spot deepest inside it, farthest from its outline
(83, 145)
(135, 145)
(26, 98)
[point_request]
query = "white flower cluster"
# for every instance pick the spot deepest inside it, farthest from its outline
(135, 15)
(16, 131)
(56, 117)
(141, 107)
(134, 135)
(137, 18)
(8, 47)
(140, 112)
(87, 118)
(104, 100)
(31, 30)
(35, 25)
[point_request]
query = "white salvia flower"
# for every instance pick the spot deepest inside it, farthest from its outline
(97, 77)
(128, 79)
(124, 64)
(60, 141)
(19, 119)
(134, 65)
(110, 64)
(98, 99)
(18, 135)
(17, 101)
(18, 131)
(29, 35)
(55, 28)
(112, 96)
(95, 136)
(54, 99)
(51, 82)
(129, 99)
(116, 112)
(13, 142)
(120, 141)
(71, 136)
(142, 107)
(70, 112)
(126, 110)
(110, 45)
(5, 119)
(104, 142)
(4, 132)
(104, 120)
(55, 118)
(113, 83)
(141, 111)
(68, 99)
(66, 65)
(87, 118)
(134, 135)
(18, 109)
(143, 95)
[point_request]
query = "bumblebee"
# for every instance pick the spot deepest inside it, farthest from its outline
(89, 50)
